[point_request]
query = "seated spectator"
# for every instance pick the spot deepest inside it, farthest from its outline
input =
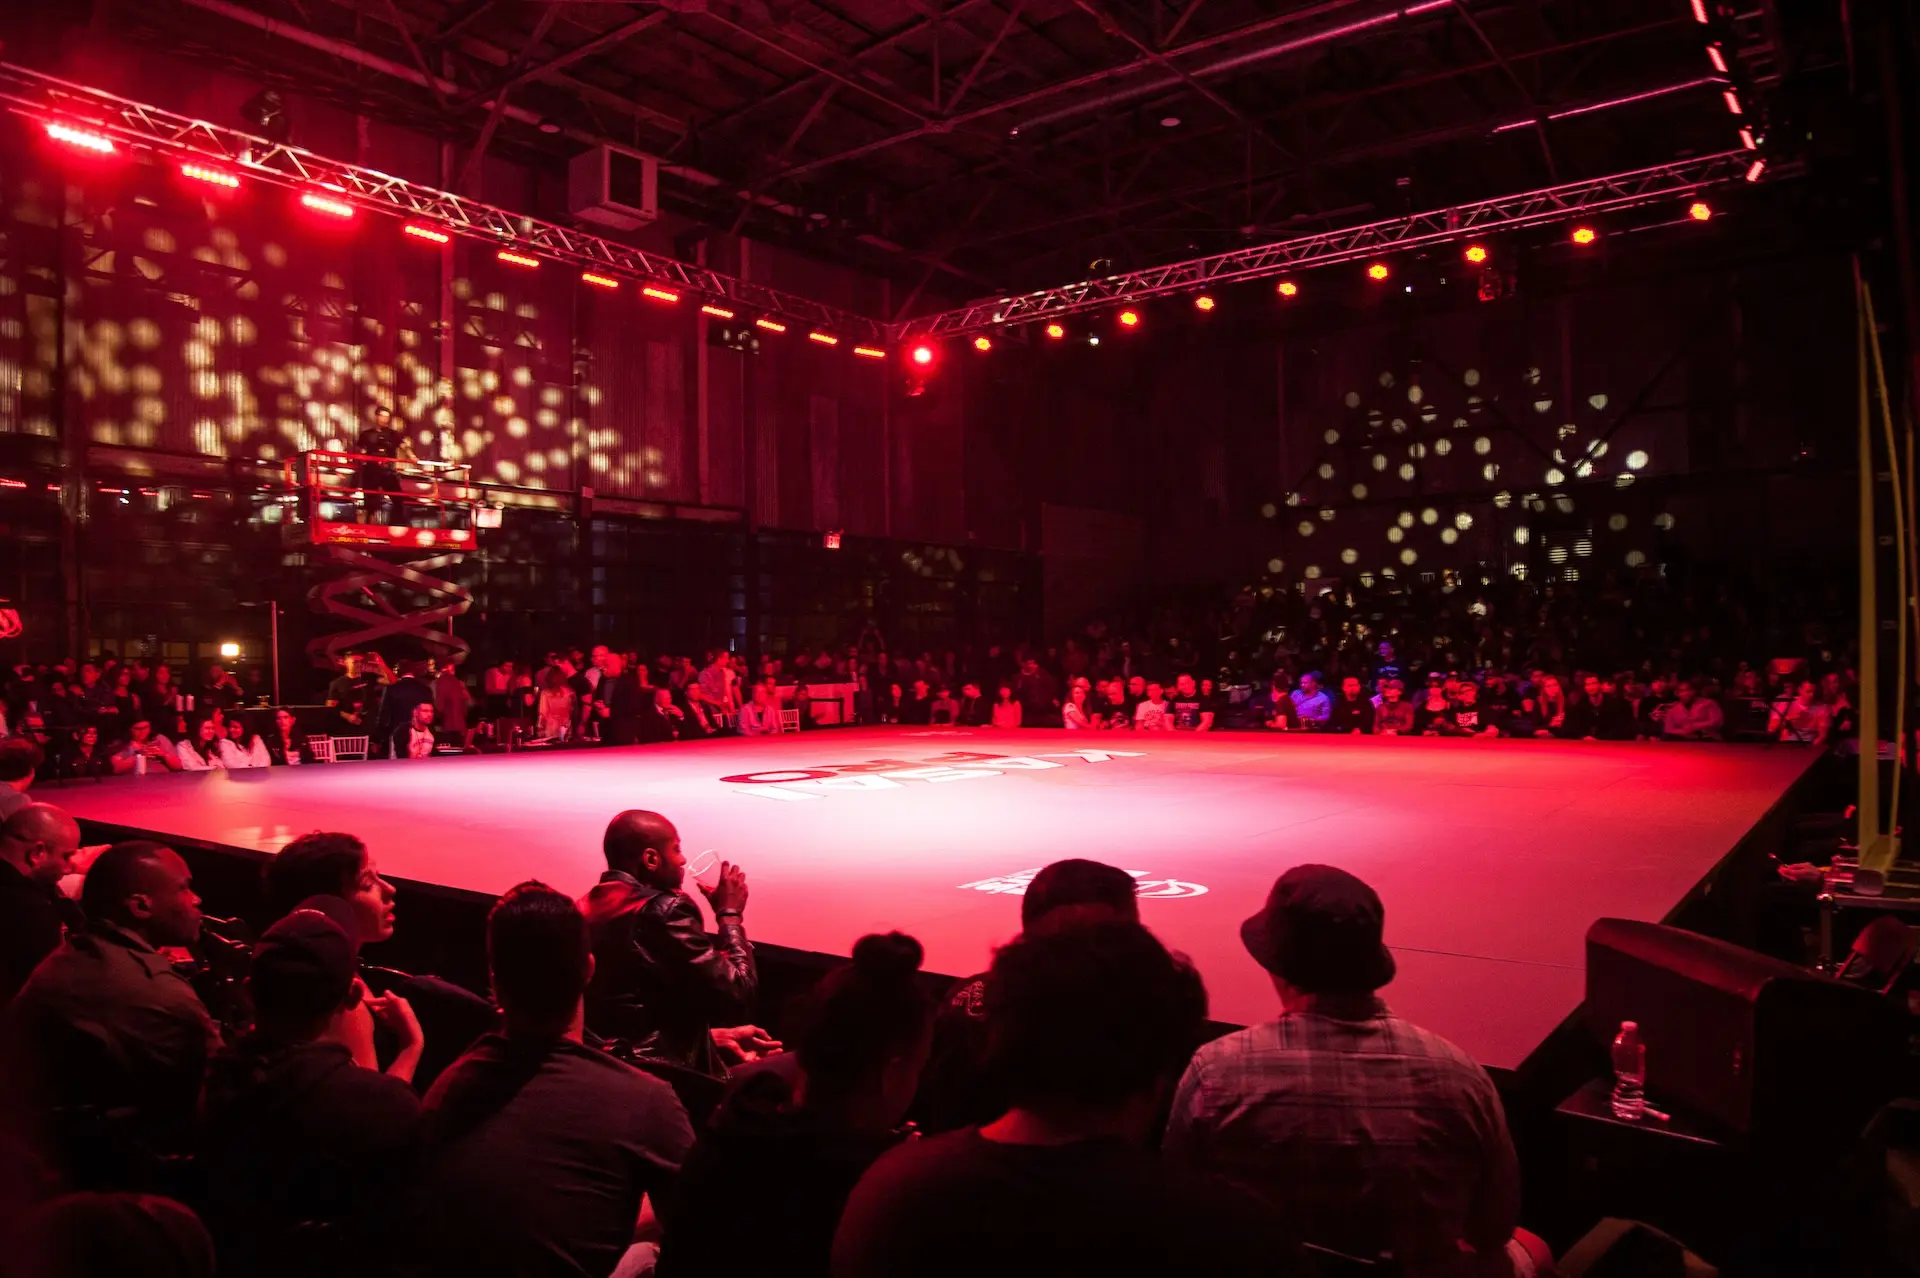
(916, 709)
(1692, 717)
(1155, 713)
(760, 717)
(1597, 715)
(399, 715)
(287, 743)
(1087, 1021)
(1352, 712)
(1273, 708)
(1006, 711)
(20, 759)
(538, 1152)
(1075, 713)
(1432, 706)
(1364, 1133)
(37, 846)
(241, 749)
(945, 711)
(554, 708)
(1552, 706)
(1192, 709)
(90, 1235)
(85, 759)
(1394, 717)
(779, 1159)
(202, 753)
(1801, 716)
(1651, 712)
(106, 1025)
(974, 712)
(957, 1088)
(414, 739)
(1311, 705)
(1462, 716)
(663, 720)
(1499, 708)
(304, 1142)
(660, 983)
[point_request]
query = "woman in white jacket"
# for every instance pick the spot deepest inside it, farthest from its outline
(202, 753)
(243, 749)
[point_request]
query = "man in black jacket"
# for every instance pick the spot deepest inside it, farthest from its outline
(620, 701)
(660, 982)
(37, 845)
(396, 707)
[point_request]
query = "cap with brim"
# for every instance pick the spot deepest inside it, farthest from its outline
(304, 965)
(1321, 932)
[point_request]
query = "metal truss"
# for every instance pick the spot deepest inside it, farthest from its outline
(1506, 213)
(46, 100)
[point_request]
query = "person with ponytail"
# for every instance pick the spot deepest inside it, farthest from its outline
(788, 1145)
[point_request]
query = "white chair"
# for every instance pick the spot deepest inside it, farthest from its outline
(789, 721)
(319, 749)
(349, 748)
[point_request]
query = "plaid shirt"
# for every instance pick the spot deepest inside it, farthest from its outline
(1364, 1136)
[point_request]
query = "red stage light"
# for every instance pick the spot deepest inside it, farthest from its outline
(659, 294)
(1056, 332)
(1288, 289)
(825, 339)
(983, 344)
(922, 355)
(772, 326)
(1746, 140)
(1476, 253)
(1718, 58)
(718, 312)
(599, 281)
(1732, 100)
(1699, 210)
(1585, 235)
(326, 204)
(1700, 11)
(426, 233)
(212, 177)
(1129, 319)
(1755, 169)
(512, 258)
(1203, 303)
(1377, 272)
(85, 139)
(869, 352)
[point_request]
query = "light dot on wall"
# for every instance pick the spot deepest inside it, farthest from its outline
(1554, 476)
(1404, 519)
(1396, 535)
(1598, 401)
(1663, 521)
(1386, 379)
(1532, 377)
(1463, 521)
(1293, 499)
(1429, 516)
(1359, 492)
(1583, 547)
(1490, 471)
(1349, 556)
(1556, 554)
(1406, 470)
(1326, 470)
(1542, 405)
(1623, 480)
(1443, 446)
(1482, 445)
(1503, 499)
(1326, 514)
(1408, 555)
(1563, 504)
(1471, 377)
(1616, 522)
(1636, 459)
(1415, 394)
(1305, 528)
(1332, 436)
(1520, 535)
(1635, 558)
(1275, 565)
(1353, 399)
(1399, 425)
(1416, 450)
(1313, 572)
(1268, 510)
(1449, 536)
(1379, 461)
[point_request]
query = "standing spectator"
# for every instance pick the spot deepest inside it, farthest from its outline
(1366, 1134)
(1039, 695)
(1154, 714)
(1192, 709)
(452, 705)
(397, 717)
(37, 846)
(1693, 717)
(538, 1151)
(618, 702)
(719, 687)
(1086, 1025)
(661, 985)
(222, 689)
(554, 710)
(780, 1158)
(144, 751)
(20, 759)
(1006, 711)
(1352, 711)
(353, 696)
(1311, 705)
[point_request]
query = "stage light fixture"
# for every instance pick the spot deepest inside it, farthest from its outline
(327, 204)
(598, 281)
(1203, 303)
(921, 355)
(229, 650)
(426, 233)
(210, 176)
(1377, 272)
(1129, 319)
(1056, 331)
(1093, 339)
(1476, 253)
(869, 352)
(1732, 100)
(1755, 169)
(1718, 58)
(659, 294)
(983, 344)
(1747, 140)
(772, 326)
(512, 258)
(825, 339)
(1700, 11)
(1585, 235)
(1287, 288)
(85, 139)
(718, 312)
(1699, 210)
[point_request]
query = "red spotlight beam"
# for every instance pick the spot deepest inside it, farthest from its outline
(46, 100)
(1660, 184)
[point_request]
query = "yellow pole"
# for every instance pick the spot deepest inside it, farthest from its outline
(1877, 848)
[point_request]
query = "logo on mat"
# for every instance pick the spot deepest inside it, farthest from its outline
(1016, 884)
(891, 774)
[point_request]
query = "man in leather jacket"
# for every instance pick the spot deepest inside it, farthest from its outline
(661, 984)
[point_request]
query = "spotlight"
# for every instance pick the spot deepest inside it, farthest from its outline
(1093, 339)
(1747, 140)
(1203, 303)
(512, 258)
(1476, 253)
(825, 339)
(425, 233)
(659, 294)
(718, 312)
(598, 281)
(1377, 272)
(229, 650)
(1718, 58)
(983, 344)
(1700, 11)
(772, 326)
(211, 176)
(1699, 210)
(869, 352)
(98, 143)
(1129, 319)
(1755, 169)
(1288, 288)
(922, 355)
(327, 204)
(1732, 100)
(1585, 235)
(1056, 332)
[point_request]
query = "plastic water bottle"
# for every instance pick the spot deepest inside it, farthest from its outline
(1629, 1074)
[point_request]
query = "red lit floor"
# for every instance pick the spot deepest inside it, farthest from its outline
(1492, 857)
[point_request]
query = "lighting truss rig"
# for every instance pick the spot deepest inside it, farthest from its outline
(1662, 183)
(48, 100)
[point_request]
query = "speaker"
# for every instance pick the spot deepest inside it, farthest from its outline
(1757, 1047)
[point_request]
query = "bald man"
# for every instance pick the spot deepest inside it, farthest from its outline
(660, 983)
(105, 1021)
(37, 846)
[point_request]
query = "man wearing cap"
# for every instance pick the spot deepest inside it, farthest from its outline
(298, 1125)
(1365, 1133)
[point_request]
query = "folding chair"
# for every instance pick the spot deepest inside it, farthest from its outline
(319, 749)
(789, 721)
(349, 748)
